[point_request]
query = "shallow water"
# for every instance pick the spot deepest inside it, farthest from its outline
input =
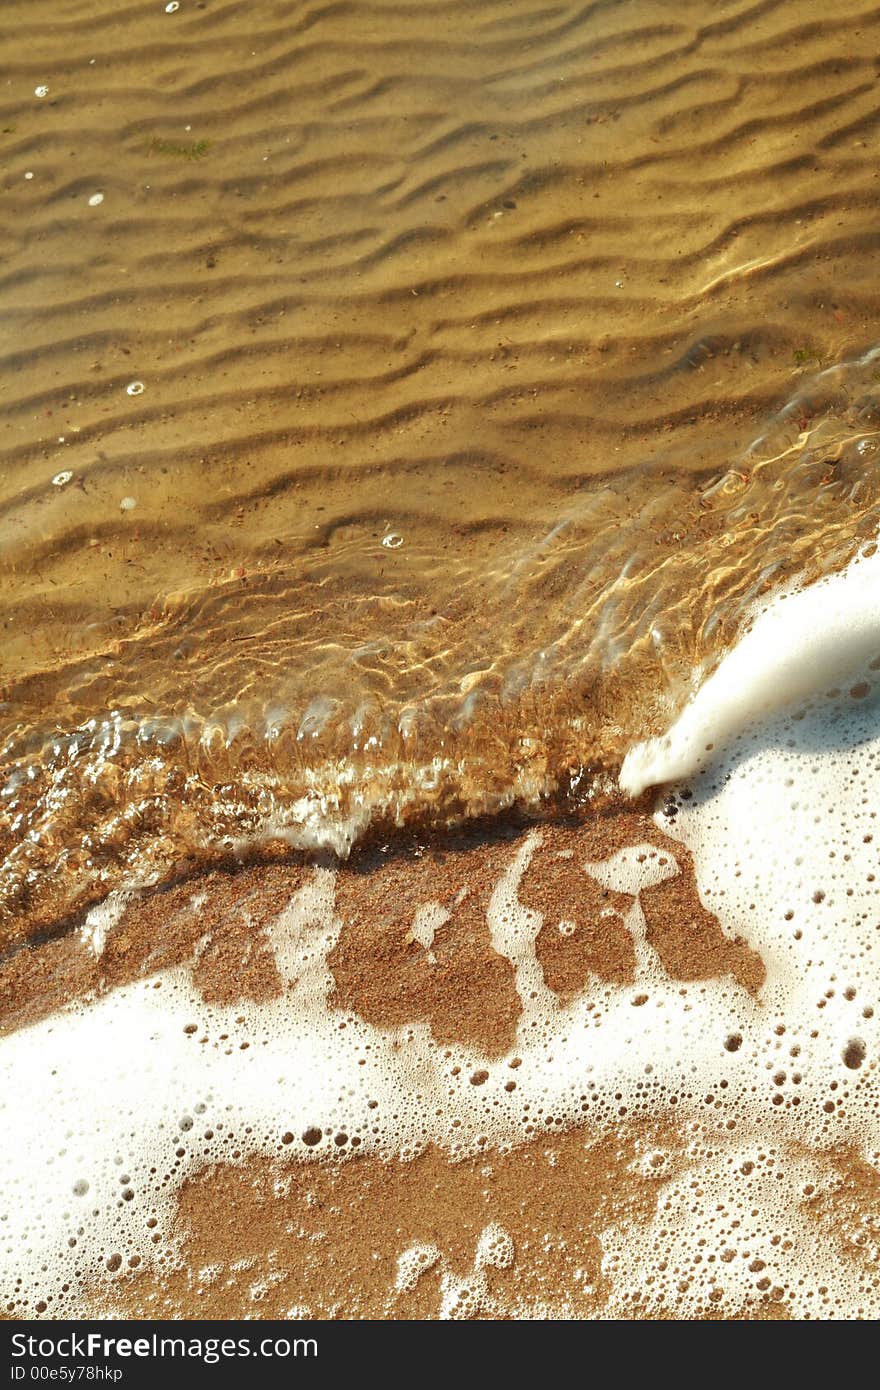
(494, 359)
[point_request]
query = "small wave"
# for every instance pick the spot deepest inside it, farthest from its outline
(303, 715)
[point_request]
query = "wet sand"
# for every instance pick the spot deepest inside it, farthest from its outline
(328, 1228)
(459, 985)
(323, 1237)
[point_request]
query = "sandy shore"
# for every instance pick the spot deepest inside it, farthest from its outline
(333, 1226)
(403, 406)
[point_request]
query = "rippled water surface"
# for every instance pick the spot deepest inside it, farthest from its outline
(402, 402)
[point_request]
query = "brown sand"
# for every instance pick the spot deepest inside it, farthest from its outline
(328, 1243)
(686, 937)
(461, 986)
(323, 1236)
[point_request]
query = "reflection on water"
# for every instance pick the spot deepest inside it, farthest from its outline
(402, 402)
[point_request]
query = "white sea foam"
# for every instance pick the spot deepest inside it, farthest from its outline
(801, 643)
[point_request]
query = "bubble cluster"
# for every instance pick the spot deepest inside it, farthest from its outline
(412, 1264)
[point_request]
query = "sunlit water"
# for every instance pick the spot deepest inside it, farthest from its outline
(403, 406)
